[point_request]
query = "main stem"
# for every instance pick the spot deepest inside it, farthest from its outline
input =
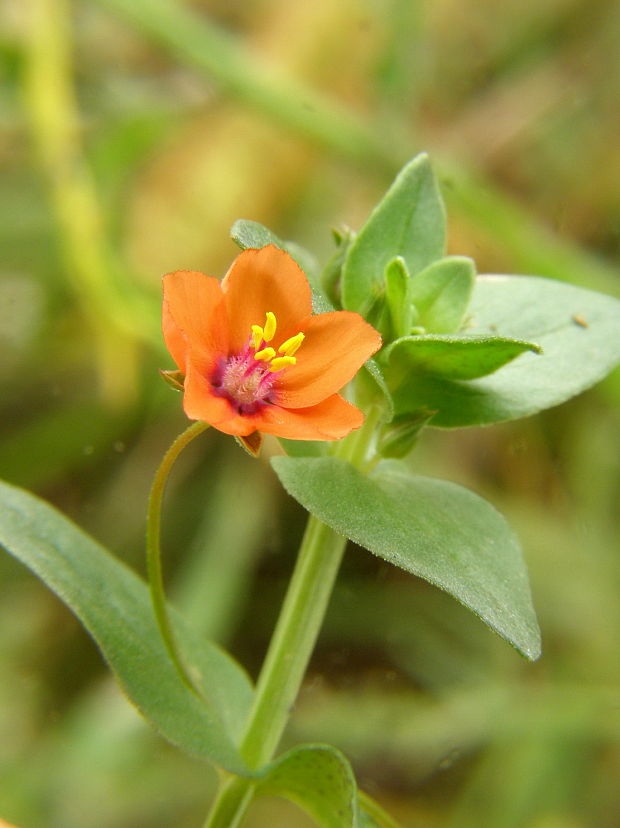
(291, 646)
(294, 638)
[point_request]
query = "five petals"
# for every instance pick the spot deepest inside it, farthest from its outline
(207, 327)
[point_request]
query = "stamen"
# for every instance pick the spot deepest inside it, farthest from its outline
(281, 362)
(270, 326)
(292, 345)
(257, 336)
(247, 378)
(265, 355)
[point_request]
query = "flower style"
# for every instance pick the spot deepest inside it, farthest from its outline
(252, 356)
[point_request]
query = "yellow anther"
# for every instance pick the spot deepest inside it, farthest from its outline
(257, 336)
(265, 355)
(281, 362)
(270, 326)
(291, 346)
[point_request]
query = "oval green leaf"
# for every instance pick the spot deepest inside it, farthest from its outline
(578, 330)
(409, 221)
(449, 356)
(114, 606)
(432, 528)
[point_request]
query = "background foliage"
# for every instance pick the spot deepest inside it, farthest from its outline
(132, 138)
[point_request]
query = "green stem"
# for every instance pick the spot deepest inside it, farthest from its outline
(232, 802)
(153, 550)
(291, 646)
(293, 640)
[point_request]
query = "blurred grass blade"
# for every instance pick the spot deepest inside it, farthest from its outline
(199, 42)
(52, 110)
(196, 41)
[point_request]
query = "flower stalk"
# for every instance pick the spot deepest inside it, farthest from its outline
(153, 548)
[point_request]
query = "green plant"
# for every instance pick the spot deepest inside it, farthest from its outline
(458, 350)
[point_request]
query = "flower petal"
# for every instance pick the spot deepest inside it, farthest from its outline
(265, 280)
(174, 339)
(201, 403)
(194, 317)
(335, 347)
(331, 419)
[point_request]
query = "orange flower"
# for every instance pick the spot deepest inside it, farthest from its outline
(253, 357)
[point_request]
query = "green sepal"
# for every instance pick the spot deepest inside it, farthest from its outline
(409, 221)
(441, 294)
(251, 443)
(175, 379)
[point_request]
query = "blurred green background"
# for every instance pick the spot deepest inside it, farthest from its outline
(134, 132)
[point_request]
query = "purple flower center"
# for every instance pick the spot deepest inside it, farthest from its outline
(245, 381)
